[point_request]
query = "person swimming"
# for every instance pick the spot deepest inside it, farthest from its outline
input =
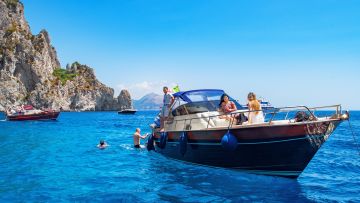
(102, 144)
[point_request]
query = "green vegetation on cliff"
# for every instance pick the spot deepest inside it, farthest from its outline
(63, 75)
(11, 3)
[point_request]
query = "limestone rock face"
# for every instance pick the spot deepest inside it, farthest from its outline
(124, 99)
(83, 92)
(28, 67)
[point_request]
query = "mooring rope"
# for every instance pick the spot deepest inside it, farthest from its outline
(354, 137)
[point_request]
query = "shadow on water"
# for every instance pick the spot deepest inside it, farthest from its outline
(187, 182)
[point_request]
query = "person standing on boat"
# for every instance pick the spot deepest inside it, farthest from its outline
(255, 114)
(137, 136)
(167, 102)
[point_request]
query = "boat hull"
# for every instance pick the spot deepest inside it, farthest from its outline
(31, 117)
(270, 150)
(126, 112)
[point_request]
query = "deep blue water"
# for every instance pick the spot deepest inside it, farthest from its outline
(59, 161)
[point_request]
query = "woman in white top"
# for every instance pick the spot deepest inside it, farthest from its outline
(254, 105)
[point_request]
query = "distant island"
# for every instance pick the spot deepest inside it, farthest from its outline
(150, 101)
(30, 72)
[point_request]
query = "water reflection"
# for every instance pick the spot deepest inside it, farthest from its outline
(188, 182)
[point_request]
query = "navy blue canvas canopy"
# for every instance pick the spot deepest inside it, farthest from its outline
(200, 95)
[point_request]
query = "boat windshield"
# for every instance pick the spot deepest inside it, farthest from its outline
(198, 101)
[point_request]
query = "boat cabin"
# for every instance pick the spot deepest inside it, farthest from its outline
(197, 109)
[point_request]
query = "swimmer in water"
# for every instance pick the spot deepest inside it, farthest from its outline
(137, 136)
(102, 144)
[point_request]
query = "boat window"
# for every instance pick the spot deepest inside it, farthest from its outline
(198, 107)
(203, 96)
(178, 108)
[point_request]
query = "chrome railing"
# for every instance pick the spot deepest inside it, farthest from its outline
(273, 112)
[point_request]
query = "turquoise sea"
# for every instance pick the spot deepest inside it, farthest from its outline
(57, 161)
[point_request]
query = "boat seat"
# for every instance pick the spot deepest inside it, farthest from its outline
(199, 124)
(214, 121)
(220, 122)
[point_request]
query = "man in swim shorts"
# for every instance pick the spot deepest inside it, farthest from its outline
(137, 136)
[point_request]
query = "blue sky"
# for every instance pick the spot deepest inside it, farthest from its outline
(290, 52)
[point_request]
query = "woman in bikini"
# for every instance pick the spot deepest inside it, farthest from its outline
(227, 106)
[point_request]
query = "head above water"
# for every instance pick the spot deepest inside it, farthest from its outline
(102, 142)
(138, 130)
(165, 89)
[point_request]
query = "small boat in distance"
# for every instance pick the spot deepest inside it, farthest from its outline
(127, 111)
(27, 113)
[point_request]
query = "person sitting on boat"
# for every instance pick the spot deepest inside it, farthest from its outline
(137, 136)
(102, 144)
(227, 106)
(19, 110)
(167, 102)
(9, 111)
(255, 115)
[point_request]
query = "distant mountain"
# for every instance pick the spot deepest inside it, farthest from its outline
(150, 101)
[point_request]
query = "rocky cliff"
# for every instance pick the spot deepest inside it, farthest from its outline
(30, 71)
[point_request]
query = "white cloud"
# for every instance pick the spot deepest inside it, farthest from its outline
(137, 90)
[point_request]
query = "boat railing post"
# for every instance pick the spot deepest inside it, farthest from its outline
(273, 115)
(229, 126)
(207, 127)
(232, 120)
(287, 114)
(309, 111)
(184, 128)
(314, 110)
(340, 109)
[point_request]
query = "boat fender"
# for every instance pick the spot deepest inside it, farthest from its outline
(150, 143)
(183, 140)
(229, 142)
(163, 138)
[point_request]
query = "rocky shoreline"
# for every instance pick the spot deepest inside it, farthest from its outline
(30, 72)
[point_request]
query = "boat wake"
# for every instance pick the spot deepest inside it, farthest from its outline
(3, 120)
(126, 146)
(130, 147)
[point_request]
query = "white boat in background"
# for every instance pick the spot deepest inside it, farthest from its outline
(265, 104)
